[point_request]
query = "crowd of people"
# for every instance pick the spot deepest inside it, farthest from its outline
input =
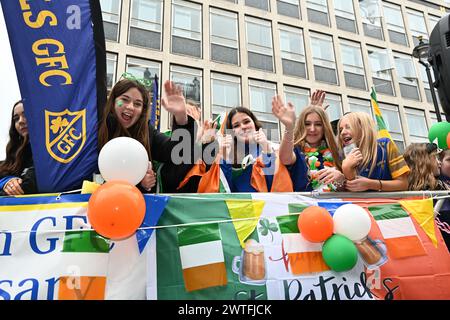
(239, 157)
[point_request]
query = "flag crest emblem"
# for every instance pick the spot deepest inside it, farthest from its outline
(65, 134)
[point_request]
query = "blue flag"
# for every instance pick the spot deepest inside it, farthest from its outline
(60, 59)
(155, 205)
(155, 112)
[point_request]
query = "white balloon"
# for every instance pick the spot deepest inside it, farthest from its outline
(352, 221)
(123, 158)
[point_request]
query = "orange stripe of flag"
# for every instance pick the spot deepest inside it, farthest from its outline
(282, 181)
(210, 181)
(198, 169)
(82, 288)
(258, 179)
(403, 247)
(206, 276)
(307, 262)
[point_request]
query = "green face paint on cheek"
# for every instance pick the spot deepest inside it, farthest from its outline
(119, 103)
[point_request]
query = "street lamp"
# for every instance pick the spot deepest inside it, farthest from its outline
(421, 52)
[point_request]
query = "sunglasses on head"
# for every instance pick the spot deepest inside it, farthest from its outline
(432, 147)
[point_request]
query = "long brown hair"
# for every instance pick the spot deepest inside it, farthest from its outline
(15, 149)
(139, 131)
(419, 160)
(300, 132)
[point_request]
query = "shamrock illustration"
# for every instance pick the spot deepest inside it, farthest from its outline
(58, 124)
(267, 227)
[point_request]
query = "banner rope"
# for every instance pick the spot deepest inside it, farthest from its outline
(387, 201)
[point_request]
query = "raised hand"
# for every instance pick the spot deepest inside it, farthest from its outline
(317, 98)
(261, 139)
(286, 114)
(225, 146)
(174, 102)
(207, 132)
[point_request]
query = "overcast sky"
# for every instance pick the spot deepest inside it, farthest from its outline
(9, 88)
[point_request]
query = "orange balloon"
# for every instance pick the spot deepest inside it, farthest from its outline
(116, 209)
(315, 224)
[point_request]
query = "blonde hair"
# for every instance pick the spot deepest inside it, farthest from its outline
(364, 134)
(421, 176)
(300, 131)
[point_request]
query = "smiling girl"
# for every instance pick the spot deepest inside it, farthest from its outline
(127, 113)
(372, 164)
(308, 147)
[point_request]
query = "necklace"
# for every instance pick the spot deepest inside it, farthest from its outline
(313, 163)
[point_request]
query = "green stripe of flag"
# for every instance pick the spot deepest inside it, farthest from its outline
(296, 207)
(380, 123)
(288, 224)
(390, 211)
(198, 234)
(85, 241)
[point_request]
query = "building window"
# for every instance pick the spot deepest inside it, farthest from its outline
(111, 69)
(224, 36)
(292, 51)
(381, 67)
(335, 109)
(432, 21)
(111, 18)
(289, 8)
(353, 65)
(418, 130)
(417, 25)
(371, 18)
(426, 84)
(226, 93)
(394, 20)
(186, 28)
(434, 118)
(345, 15)
(299, 97)
(260, 4)
(407, 77)
(261, 94)
(323, 58)
(190, 80)
(318, 11)
(391, 117)
(259, 44)
(144, 69)
(146, 23)
(359, 105)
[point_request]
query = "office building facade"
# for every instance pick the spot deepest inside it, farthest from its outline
(228, 53)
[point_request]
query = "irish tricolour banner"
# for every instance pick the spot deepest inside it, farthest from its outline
(216, 246)
(59, 55)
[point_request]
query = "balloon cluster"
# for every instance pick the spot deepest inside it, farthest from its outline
(349, 223)
(117, 208)
(440, 131)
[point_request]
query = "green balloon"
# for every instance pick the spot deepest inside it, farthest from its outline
(339, 253)
(440, 131)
